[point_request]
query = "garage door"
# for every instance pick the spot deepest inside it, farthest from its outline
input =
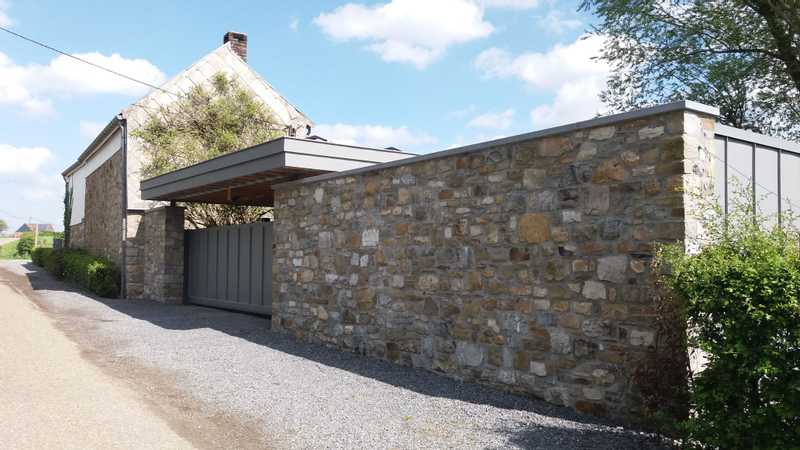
(231, 267)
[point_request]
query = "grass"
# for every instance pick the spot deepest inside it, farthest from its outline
(9, 250)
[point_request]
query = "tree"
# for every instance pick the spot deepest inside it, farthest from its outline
(67, 213)
(201, 124)
(740, 55)
(3, 226)
(25, 246)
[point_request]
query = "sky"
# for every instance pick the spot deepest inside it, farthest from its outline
(419, 75)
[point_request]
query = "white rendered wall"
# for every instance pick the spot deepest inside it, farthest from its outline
(77, 180)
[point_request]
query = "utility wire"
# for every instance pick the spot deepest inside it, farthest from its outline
(51, 48)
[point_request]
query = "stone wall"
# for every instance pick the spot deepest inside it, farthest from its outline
(523, 266)
(103, 211)
(134, 255)
(163, 254)
(77, 236)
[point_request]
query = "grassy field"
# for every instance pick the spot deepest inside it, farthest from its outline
(8, 250)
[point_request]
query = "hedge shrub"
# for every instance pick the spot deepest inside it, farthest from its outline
(93, 273)
(25, 246)
(50, 259)
(742, 306)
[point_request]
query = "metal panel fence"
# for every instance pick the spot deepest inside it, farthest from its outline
(767, 165)
(231, 267)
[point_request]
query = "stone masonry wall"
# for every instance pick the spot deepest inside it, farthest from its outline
(103, 216)
(134, 255)
(523, 266)
(77, 236)
(163, 254)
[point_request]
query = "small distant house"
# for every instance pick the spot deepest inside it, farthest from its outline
(32, 228)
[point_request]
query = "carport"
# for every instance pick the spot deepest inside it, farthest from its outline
(231, 267)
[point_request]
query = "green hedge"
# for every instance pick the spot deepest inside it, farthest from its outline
(93, 273)
(742, 306)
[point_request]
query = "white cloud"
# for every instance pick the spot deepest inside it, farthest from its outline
(33, 86)
(496, 121)
(294, 23)
(407, 31)
(574, 101)
(5, 21)
(569, 72)
(30, 185)
(90, 130)
(510, 4)
(560, 64)
(378, 136)
(22, 160)
(555, 22)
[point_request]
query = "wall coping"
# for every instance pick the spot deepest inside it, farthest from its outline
(683, 105)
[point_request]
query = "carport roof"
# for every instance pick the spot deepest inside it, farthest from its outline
(246, 177)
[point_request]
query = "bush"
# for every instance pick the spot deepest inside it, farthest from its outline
(50, 259)
(39, 255)
(741, 293)
(95, 274)
(25, 246)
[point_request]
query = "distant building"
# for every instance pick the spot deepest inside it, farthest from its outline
(33, 227)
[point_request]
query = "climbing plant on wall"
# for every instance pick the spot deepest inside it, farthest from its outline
(201, 124)
(67, 212)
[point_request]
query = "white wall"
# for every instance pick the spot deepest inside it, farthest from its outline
(77, 180)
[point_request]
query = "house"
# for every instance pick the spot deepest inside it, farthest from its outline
(107, 209)
(33, 228)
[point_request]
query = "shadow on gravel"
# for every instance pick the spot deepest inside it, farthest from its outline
(256, 329)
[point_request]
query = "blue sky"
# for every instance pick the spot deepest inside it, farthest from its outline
(421, 75)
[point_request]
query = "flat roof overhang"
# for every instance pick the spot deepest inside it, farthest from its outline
(246, 177)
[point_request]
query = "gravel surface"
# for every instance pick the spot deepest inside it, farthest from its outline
(307, 396)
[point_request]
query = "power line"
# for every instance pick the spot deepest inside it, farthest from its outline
(51, 48)
(24, 220)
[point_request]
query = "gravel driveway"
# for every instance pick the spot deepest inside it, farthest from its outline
(298, 395)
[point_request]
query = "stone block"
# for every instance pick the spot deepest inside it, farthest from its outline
(612, 268)
(534, 228)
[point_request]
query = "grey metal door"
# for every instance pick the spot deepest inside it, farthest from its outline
(230, 267)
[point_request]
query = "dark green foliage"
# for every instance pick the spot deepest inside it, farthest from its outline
(50, 259)
(3, 226)
(67, 213)
(742, 304)
(25, 246)
(39, 255)
(95, 274)
(740, 55)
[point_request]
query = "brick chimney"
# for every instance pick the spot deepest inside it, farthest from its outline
(238, 43)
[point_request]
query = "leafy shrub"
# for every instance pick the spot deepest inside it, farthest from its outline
(50, 259)
(742, 305)
(95, 274)
(39, 255)
(25, 246)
